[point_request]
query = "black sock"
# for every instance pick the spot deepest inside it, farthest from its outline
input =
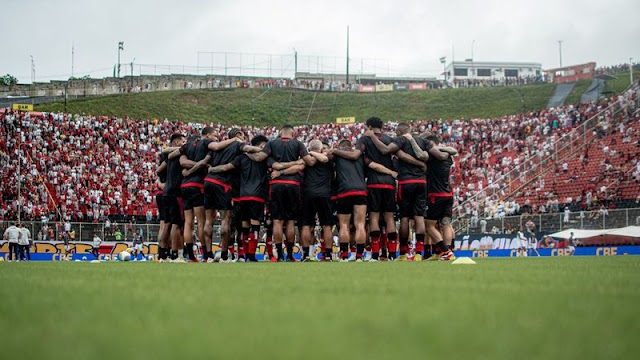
(289, 250)
(210, 252)
(161, 252)
(328, 253)
(188, 251)
(305, 252)
(404, 244)
(174, 254)
(224, 255)
(427, 251)
(279, 251)
(344, 250)
(441, 245)
(359, 251)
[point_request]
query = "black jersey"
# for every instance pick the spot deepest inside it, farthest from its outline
(253, 179)
(349, 177)
(372, 153)
(195, 151)
(162, 176)
(438, 172)
(408, 171)
(174, 177)
(317, 180)
(284, 150)
(222, 157)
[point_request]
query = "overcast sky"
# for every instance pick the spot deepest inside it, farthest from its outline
(407, 37)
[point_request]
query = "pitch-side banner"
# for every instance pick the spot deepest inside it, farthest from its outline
(384, 87)
(401, 87)
(367, 88)
(418, 86)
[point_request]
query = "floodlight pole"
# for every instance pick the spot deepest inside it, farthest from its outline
(560, 51)
(347, 54)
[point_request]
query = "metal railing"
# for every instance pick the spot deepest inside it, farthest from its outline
(86, 231)
(552, 222)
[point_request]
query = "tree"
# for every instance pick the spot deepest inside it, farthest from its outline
(8, 80)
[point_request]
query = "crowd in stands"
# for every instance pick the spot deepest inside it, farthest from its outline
(85, 168)
(508, 81)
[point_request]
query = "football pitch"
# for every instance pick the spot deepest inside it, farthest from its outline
(528, 308)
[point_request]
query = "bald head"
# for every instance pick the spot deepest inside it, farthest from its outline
(403, 128)
(315, 145)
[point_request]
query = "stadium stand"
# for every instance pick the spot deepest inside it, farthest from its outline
(84, 168)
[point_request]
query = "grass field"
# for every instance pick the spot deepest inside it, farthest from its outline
(545, 308)
(279, 106)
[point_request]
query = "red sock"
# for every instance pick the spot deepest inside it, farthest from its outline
(252, 244)
(393, 246)
(404, 249)
(419, 247)
(375, 245)
(383, 241)
(240, 251)
(269, 245)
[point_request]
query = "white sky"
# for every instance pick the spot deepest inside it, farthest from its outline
(409, 36)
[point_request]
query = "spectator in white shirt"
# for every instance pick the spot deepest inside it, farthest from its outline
(25, 243)
(13, 235)
(96, 246)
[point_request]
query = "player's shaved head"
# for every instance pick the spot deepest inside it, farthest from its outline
(175, 138)
(403, 128)
(434, 139)
(208, 131)
(286, 130)
(344, 144)
(315, 145)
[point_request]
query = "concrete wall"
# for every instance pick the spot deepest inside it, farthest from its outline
(109, 86)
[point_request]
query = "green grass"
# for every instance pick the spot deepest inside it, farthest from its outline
(279, 106)
(550, 308)
(576, 94)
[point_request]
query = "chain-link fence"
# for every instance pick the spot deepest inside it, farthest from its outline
(585, 220)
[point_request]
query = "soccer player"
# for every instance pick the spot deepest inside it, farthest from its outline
(411, 187)
(285, 190)
(316, 199)
(218, 186)
(252, 196)
(381, 199)
(193, 185)
(440, 196)
(172, 199)
(165, 225)
(352, 197)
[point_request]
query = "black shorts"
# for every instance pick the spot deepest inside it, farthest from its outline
(381, 200)
(312, 206)
(192, 197)
(236, 215)
(173, 210)
(345, 205)
(285, 202)
(439, 208)
(412, 199)
(251, 210)
(216, 197)
(160, 204)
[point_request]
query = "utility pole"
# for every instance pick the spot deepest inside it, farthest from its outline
(132, 61)
(295, 61)
(72, 57)
(347, 54)
(120, 48)
(560, 51)
(33, 70)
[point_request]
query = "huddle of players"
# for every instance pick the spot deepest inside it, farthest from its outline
(200, 177)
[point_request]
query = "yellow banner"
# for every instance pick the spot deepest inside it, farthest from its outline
(384, 87)
(346, 120)
(22, 107)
